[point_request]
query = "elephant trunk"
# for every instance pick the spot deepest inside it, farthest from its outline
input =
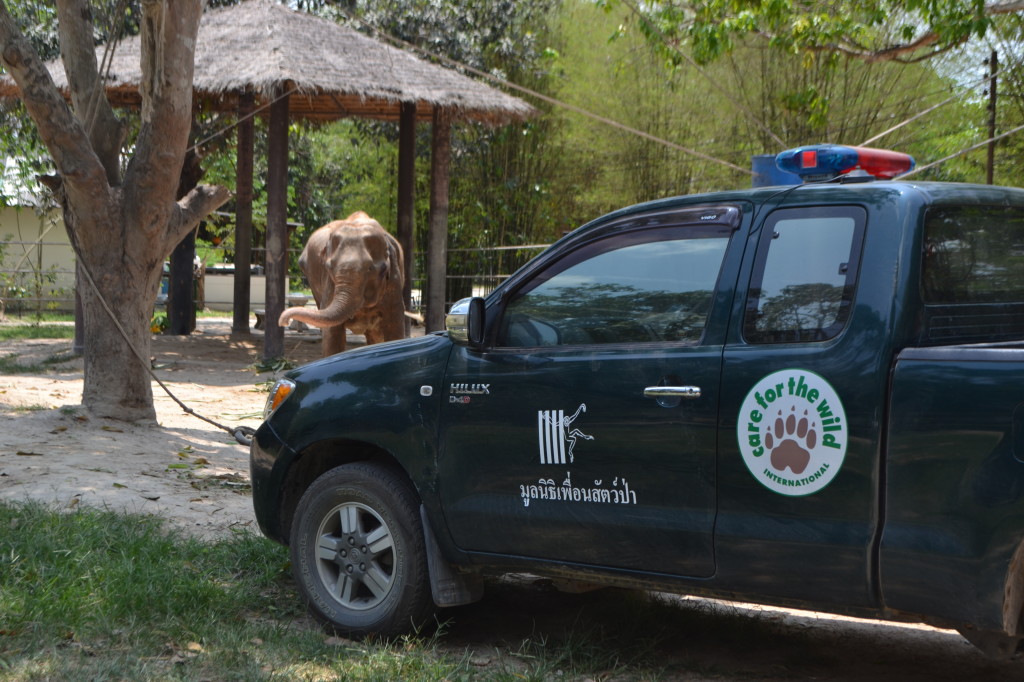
(342, 307)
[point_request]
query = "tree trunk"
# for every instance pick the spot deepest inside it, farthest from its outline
(121, 229)
(121, 389)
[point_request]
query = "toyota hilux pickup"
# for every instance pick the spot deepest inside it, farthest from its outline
(807, 395)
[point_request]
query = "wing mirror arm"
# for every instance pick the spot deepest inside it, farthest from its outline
(465, 322)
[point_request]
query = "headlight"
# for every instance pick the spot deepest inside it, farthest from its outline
(281, 390)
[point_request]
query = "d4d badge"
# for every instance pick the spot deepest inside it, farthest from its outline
(460, 393)
(792, 432)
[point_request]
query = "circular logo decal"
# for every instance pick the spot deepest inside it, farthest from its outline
(792, 432)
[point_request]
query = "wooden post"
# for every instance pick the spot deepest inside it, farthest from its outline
(992, 70)
(407, 197)
(437, 237)
(243, 215)
(277, 227)
(181, 287)
(181, 305)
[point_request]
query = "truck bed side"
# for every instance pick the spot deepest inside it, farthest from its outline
(954, 482)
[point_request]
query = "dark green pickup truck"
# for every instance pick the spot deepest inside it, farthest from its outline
(808, 396)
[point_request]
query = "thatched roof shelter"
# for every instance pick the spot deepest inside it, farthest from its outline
(300, 66)
(336, 71)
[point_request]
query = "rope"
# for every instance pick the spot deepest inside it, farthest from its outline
(242, 434)
(962, 152)
(956, 97)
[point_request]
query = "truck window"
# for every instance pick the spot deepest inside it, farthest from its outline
(804, 275)
(973, 254)
(972, 274)
(647, 286)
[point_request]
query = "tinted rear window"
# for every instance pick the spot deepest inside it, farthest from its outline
(973, 254)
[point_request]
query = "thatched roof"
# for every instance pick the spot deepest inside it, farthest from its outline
(259, 45)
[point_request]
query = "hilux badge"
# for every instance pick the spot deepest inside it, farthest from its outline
(792, 432)
(470, 389)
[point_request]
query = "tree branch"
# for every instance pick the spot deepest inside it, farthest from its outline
(168, 45)
(65, 138)
(78, 54)
(192, 208)
(893, 53)
(898, 52)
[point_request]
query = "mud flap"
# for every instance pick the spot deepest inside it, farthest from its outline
(447, 586)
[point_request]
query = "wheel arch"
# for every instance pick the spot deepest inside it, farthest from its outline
(321, 457)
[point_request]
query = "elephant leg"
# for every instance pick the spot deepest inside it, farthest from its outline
(333, 339)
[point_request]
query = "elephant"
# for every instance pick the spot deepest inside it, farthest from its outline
(355, 269)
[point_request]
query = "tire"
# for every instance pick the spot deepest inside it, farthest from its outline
(358, 553)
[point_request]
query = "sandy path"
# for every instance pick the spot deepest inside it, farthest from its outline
(184, 469)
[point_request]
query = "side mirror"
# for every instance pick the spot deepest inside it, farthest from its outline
(465, 322)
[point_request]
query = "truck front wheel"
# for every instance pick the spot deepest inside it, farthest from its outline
(357, 552)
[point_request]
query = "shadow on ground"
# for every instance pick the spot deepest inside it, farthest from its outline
(624, 635)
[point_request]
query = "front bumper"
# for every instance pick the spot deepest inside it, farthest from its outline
(267, 487)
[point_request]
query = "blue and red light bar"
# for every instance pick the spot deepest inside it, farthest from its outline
(827, 161)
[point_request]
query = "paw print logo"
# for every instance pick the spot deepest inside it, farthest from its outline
(791, 432)
(791, 441)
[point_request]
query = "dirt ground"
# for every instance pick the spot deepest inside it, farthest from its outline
(185, 469)
(197, 476)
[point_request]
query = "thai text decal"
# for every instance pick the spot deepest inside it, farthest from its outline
(557, 439)
(792, 432)
(616, 492)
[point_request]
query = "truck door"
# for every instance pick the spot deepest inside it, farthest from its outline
(804, 385)
(586, 431)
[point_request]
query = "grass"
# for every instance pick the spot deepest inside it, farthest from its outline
(15, 332)
(33, 317)
(95, 594)
(28, 408)
(9, 364)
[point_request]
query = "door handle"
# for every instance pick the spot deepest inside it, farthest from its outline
(672, 392)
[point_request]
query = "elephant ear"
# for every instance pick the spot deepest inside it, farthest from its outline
(394, 258)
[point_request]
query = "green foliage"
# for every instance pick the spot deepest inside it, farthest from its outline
(752, 100)
(492, 35)
(868, 29)
(271, 365)
(803, 90)
(346, 166)
(19, 139)
(158, 325)
(605, 67)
